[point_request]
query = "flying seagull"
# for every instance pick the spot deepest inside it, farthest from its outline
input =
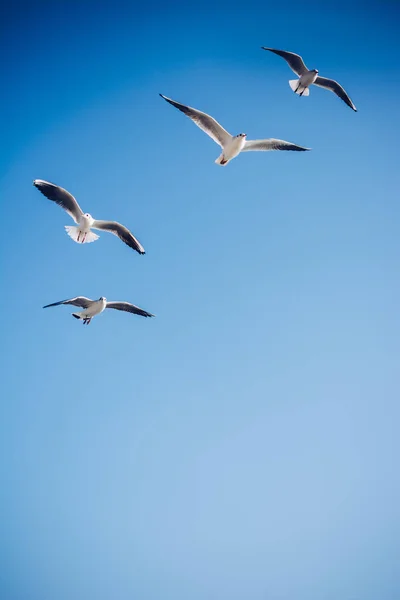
(300, 86)
(95, 307)
(231, 145)
(82, 233)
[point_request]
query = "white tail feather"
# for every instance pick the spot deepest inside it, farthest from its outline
(221, 160)
(79, 237)
(297, 88)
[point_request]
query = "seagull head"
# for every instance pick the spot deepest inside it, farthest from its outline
(316, 71)
(103, 299)
(87, 216)
(242, 135)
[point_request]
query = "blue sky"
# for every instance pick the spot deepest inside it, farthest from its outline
(244, 443)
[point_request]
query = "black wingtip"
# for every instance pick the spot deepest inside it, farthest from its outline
(75, 316)
(166, 98)
(48, 305)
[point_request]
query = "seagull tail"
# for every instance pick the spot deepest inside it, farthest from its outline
(298, 89)
(221, 160)
(80, 237)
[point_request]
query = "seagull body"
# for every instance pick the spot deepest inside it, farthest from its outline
(305, 81)
(82, 233)
(231, 145)
(232, 148)
(306, 78)
(95, 307)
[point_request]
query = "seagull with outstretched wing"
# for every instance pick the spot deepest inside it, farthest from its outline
(306, 78)
(85, 222)
(95, 307)
(231, 145)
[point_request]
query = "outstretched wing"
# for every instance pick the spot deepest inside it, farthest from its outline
(204, 121)
(61, 197)
(80, 301)
(336, 88)
(294, 61)
(127, 307)
(271, 144)
(122, 232)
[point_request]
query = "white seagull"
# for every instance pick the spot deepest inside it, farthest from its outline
(300, 86)
(95, 307)
(231, 145)
(82, 233)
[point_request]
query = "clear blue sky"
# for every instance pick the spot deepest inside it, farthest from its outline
(244, 444)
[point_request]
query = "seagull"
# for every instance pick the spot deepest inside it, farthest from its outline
(95, 307)
(231, 145)
(83, 234)
(300, 86)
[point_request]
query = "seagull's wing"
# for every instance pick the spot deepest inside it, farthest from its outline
(336, 88)
(80, 301)
(294, 61)
(204, 121)
(127, 307)
(271, 144)
(61, 197)
(122, 232)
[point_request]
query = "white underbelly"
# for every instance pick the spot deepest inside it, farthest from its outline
(94, 310)
(233, 148)
(84, 225)
(307, 79)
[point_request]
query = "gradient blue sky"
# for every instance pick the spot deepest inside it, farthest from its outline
(244, 444)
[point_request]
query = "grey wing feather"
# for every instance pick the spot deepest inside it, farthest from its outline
(127, 307)
(61, 197)
(336, 88)
(294, 61)
(122, 232)
(204, 121)
(271, 144)
(80, 301)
